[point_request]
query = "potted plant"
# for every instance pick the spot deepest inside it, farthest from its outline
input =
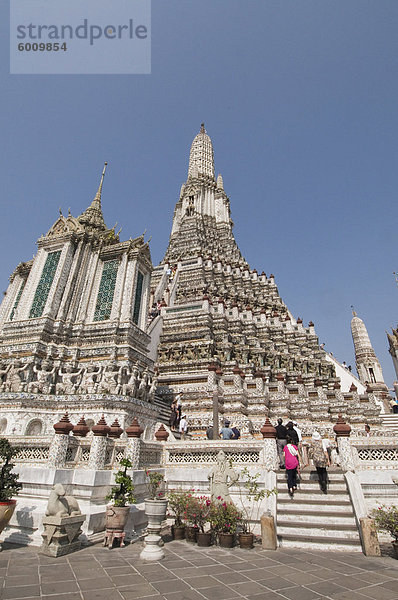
(156, 504)
(251, 502)
(204, 508)
(122, 495)
(224, 519)
(9, 484)
(386, 519)
(177, 504)
(191, 516)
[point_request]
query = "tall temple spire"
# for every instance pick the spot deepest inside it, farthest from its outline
(93, 216)
(367, 363)
(201, 156)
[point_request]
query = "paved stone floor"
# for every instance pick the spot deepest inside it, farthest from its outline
(192, 573)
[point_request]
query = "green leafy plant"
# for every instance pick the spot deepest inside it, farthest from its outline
(224, 516)
(178, 500)
(123, 492)
(386, 519)
(154, 481)
(9, 484)
(251, 499)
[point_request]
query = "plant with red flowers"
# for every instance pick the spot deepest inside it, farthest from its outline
(224, 516)
(154, 481)
(386, 519)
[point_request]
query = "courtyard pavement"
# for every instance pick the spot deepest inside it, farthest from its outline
(192, 573)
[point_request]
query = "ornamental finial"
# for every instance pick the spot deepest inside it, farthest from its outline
(353, 311)
(202, 128)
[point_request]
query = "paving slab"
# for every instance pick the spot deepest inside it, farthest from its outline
(192, 573)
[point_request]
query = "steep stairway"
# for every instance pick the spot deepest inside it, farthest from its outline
(315, 520)
(390, 422)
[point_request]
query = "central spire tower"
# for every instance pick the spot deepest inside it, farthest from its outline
(224, 327)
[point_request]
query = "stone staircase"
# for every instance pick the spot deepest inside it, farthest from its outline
(390, 421)
(314, 520)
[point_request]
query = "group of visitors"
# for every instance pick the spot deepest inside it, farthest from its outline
(291, 458)
(227, 432)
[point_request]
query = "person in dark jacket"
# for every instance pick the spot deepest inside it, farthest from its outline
(281, 434)
(292, 433)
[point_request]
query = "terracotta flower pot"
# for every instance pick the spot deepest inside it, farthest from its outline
(178, 532)
(246, 540)
(226, 540)
(116, 517)
(6, 511)
(190, 534)
(204, 539)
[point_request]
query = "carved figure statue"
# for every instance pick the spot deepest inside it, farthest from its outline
(13, 380)
(68, 383)
(143, 387)
(45, 379)
(222, 477)
(89, 383)
(152, 389)
(60, 505)
(130, 388)
(110, 381)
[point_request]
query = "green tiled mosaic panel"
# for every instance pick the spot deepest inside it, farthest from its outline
(17, 299)
(138, 297)
(106, 291)
(43, 289)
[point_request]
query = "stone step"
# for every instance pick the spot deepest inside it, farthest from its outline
(316, 501)
(310, 530)
(309, 476)
(320, 543)
(311, 518)
(309, 498)
(301, 508)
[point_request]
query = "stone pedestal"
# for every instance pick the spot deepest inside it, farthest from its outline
(61, 535)
(268, 533)
(370, 542)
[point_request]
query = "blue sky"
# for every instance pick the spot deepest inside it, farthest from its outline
(300, 100)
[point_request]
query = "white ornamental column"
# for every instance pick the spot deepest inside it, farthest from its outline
(271, 459)
(342, 431)
(98, 445)
(59, 444)
(133, 450)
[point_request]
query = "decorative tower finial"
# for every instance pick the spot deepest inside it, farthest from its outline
(93, 216)
(354, 314)
(202, 128)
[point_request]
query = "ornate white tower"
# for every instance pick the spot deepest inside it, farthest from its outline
(367, 363)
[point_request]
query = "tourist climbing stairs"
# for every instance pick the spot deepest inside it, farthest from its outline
(314, 520)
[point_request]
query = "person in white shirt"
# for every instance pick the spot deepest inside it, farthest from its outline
(183, 428)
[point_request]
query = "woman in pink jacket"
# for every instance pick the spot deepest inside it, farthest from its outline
(291, 464)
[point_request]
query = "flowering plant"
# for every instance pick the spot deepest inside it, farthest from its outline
(178, 500)
(197, 511)
(386, 519)
(154, 481)
(224, 516)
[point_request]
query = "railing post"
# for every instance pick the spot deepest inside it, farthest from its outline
(59, 443)
(343, 431)
(271, 462)
(133, 450)
(98, 445)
